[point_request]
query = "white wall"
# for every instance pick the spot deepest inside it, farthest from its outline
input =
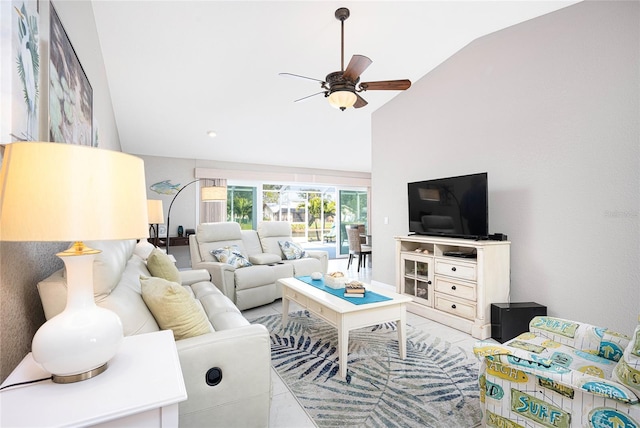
(550, 109)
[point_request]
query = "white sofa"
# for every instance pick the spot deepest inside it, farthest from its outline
(241, 350)
(254, 285)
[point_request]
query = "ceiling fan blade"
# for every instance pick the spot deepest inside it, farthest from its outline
(357, 65)
(309, 96)
(386, 85)
(360, 102)
(301, 77)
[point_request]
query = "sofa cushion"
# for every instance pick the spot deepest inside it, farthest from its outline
(562, 358)
(231, 255)
(211, 236)
(270, 232)
(255, 276)
(126, 300)
(109, 264)
(291, 250)
(174, 308)
(143, 249)
(305, 266)
(596, 340)
(161, 266)
(223, 231)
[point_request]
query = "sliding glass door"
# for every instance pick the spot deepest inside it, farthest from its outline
(318, 214)
(353, 210)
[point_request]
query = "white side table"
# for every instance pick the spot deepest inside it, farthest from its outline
(142, 387)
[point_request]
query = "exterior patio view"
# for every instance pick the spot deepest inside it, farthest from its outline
(318, 214)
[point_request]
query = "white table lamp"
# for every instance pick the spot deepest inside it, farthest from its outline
(156, 217)
(71, 193)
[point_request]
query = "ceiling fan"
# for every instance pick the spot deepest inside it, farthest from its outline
(342, 87)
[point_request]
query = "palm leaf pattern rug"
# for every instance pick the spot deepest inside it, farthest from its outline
(435, 386)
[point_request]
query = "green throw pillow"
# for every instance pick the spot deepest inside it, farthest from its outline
(173, 308)
(161, 266)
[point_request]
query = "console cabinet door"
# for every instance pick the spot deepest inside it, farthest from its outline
(417, 278)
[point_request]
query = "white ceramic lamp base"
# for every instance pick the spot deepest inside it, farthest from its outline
(77, 343)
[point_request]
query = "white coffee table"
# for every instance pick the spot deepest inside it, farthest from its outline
(344, 315)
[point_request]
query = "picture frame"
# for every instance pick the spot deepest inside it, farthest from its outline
(70, 93)
(23, 54)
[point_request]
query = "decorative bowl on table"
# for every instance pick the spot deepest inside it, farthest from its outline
(335, 280)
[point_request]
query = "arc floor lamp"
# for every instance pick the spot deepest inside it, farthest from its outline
(207, 194)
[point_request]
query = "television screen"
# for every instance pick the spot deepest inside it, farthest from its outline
(452, 207)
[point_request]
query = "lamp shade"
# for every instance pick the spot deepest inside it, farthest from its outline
(429, 194)
(342, 99)
(66, 192)
(155, 212)
(213, 193)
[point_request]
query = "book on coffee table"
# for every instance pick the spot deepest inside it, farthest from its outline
(354, 289)
(354, 294)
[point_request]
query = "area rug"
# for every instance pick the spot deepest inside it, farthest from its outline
(435, 386)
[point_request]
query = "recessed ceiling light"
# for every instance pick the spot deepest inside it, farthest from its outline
(211, 134)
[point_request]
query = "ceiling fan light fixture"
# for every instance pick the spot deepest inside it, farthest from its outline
(342, 99)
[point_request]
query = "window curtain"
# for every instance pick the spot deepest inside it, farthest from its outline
(214, 211)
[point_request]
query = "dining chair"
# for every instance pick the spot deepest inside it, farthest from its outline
(356, 247)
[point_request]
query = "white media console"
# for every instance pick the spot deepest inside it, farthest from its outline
(453, 281)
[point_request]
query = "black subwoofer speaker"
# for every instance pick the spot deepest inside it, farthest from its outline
(508, 320)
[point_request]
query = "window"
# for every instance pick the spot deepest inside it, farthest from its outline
(312, 210)
(241, 203)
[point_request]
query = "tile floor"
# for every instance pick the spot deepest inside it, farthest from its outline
(285, 410)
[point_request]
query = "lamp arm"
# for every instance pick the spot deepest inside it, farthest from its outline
(171, 204)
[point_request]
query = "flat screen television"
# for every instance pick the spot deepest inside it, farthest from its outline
(454, 207)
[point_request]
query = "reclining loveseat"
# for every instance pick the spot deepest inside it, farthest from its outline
(255, 260)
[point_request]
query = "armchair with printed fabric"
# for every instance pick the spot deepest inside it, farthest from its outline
(563, 374)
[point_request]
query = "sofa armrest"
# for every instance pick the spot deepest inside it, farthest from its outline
(244, 356)
(264, 259)
(220, 273)
(191, 276)
(323, 256)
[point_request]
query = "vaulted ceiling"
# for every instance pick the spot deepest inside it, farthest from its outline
(178, 69)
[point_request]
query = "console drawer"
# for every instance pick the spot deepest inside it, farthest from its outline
(296, 297)
(464, 310)
(456, 269)
(323, 312)
(459, 289)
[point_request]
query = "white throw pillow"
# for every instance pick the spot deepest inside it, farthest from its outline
(291, 250)
(231, 256)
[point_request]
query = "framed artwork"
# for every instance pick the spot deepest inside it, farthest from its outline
(70, 94)
(21, 20)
